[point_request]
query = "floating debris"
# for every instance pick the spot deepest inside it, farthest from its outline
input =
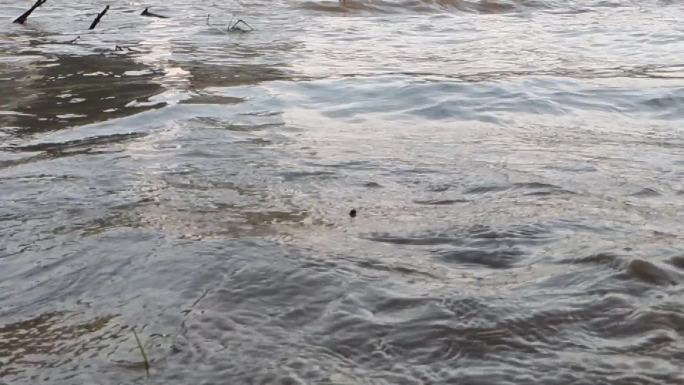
(352, 213)
(238, 25)
(147, 13)
(118, 48)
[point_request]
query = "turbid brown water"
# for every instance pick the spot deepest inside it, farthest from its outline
(517, 168)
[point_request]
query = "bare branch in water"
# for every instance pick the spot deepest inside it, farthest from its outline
(99, 16)
(22, 19)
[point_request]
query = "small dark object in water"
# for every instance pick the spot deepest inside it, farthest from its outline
(352, 213)
(99, 16)
(150, 14)
(22, 19)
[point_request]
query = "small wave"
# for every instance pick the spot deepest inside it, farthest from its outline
(475, 234)
(476, 245)
(440, 202)
(648, 272)
(631, 269)
(646, 193)
(530, 188)
(78, 143)
(593, 259)
(497, 259)
(677, 261)
(383, 6)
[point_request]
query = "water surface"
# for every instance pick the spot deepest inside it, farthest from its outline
(517, 168)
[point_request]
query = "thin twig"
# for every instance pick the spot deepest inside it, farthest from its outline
(206, 291)
(187, 312)
(142, 351)
(232, 27)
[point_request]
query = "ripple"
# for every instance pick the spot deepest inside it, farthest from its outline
(649, 273)
(381, 6)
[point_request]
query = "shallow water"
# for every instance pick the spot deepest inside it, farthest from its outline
(517, 168)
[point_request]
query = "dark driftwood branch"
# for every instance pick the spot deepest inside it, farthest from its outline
(99, 16)
(22, 19)
(147, 13)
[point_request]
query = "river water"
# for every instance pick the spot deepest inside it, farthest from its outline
(517, 168)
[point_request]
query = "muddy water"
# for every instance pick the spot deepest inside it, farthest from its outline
(517, 168)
